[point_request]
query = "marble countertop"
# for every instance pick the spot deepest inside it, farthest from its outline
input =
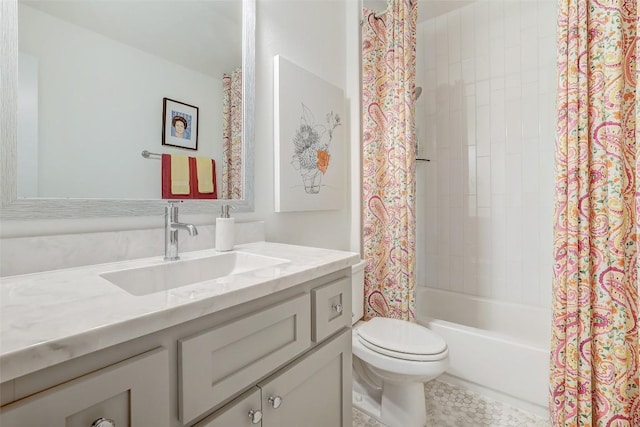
(51, 317)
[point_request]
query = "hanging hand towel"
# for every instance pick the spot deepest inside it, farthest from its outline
(176, 181)
(203, 175)
(180, 175)
(205, 179)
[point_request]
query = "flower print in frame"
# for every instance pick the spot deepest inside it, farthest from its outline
(310, 147)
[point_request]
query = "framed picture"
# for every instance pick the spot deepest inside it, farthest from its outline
(310, 144)
(179, 124)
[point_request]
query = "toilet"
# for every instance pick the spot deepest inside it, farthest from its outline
(392, 359)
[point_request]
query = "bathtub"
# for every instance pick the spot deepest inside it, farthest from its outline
(497, 348)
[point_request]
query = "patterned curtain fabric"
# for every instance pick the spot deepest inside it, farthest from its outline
(232, 135)
(595, 374)
(388, 159)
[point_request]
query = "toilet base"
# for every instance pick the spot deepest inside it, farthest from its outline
(403, 405)
(400, 405)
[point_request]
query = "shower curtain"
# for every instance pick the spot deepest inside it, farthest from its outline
(595, 358)
(232, 135)
(388, 159)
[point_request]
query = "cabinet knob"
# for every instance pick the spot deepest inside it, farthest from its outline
(275, 401)
(337, 307)
(103, 422)
(256, 416)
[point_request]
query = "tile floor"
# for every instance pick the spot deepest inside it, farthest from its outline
(452, 406)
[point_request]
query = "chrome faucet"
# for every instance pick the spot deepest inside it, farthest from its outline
(171, 227)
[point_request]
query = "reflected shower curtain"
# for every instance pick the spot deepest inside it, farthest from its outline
(388, 159)
(595, 358)
(232, 135)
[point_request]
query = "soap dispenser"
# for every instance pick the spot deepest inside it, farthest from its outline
(224, 230)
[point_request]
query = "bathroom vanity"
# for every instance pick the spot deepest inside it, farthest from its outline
(265, 343)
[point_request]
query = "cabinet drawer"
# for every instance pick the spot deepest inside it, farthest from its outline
(237, 413)
(331, 308)
(134, 392)
(215, 364)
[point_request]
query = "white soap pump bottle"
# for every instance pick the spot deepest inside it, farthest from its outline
(224, 230)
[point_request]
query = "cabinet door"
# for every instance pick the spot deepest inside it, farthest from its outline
(134, 393)
(244, 411)
(220, 362)
(313, 392)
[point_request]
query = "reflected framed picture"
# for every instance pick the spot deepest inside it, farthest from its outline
(179, 124)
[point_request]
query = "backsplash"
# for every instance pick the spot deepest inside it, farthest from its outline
(23, 255)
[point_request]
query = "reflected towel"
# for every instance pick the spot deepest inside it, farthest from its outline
(204, 168)
(180, 174)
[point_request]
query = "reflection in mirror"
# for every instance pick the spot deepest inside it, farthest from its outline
(92, 79)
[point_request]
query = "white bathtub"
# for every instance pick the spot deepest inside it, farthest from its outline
(500, 348)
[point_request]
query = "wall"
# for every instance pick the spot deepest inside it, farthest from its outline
(485, 201)
(100, 105)
(311, 33)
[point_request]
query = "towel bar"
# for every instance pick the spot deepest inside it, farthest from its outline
(147, 154)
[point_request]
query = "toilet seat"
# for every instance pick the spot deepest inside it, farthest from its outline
(402, 340)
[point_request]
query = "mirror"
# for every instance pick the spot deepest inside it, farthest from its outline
(92, 96)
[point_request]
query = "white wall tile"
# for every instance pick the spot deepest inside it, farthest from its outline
(457, 232)
(468, 70)
(483, 130)
(483, 92)
(467, 33)
(498, 120)
(483, 183)
(530, 165)
(456, 181)
(442, 36)
(512, 59)
(453, 32)
(481, 41)
(471, 172)
(513, 121)
(498, 168)
(491, 190)
(497, 57)
(482, 67)
(470, 119)
(514, 234)
(514, 180)
(528, 14)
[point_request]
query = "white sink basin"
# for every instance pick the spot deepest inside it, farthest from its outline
(174, 274)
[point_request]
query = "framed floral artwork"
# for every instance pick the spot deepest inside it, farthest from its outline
(179, 124)
(310, 147)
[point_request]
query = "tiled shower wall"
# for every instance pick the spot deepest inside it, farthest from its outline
(486, 121)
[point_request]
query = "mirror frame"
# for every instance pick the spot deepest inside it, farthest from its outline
(14, 208)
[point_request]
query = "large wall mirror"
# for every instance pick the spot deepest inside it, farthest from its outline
(95, 92)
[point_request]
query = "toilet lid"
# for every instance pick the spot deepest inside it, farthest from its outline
(395, 337)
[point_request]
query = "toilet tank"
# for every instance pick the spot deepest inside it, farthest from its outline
(357, 291)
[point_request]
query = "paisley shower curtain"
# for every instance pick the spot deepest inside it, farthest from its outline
(595, 358)
(388, 159)
(232, 135)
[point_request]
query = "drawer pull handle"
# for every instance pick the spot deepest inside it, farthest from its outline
(337, 308)
(103, 422)
(256, 416)
(275, 401)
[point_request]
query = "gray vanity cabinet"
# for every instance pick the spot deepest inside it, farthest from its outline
(314, 391)
(223, 361)
(282, 360)
(134, 392)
